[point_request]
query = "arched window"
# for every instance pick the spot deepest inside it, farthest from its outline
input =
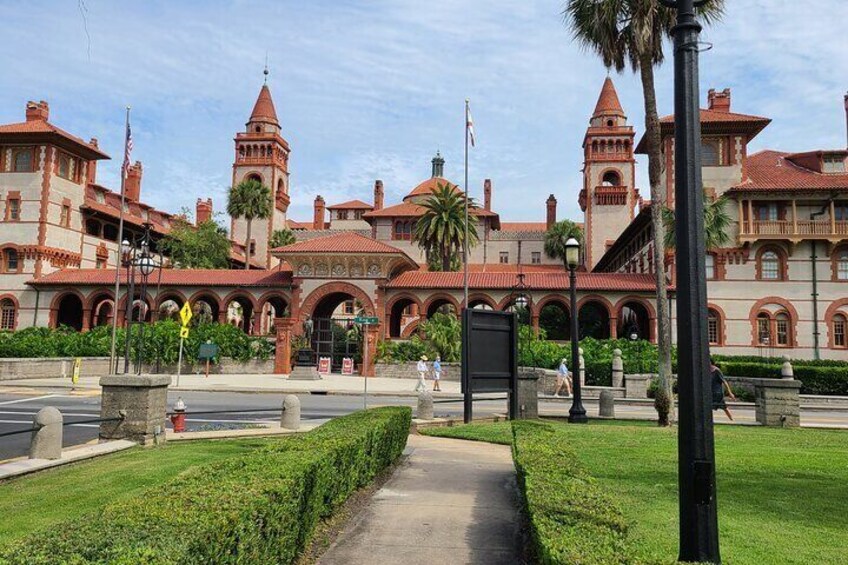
(713, 327)
(771, 266)
(763, 328)
(841, 261)
(710, 267)
(709, 154)
(92, 227)
(840, 327)
(7, 314)
(611, 178)
(64, 167)
(23, 161)
(782, 328)
(254, 176)
(774, 330)
(10, 260)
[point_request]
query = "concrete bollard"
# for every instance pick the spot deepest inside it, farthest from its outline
(786, 371)
(617, 369)
(47, 440)
(606, 404)
(582, 367)
(290, 417)
(425, 406)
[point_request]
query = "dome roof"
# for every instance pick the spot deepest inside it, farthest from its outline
(429, 186)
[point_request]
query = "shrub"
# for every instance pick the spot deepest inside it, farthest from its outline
(444, 333)
(572, 519)
(827, 379)
(261, 507)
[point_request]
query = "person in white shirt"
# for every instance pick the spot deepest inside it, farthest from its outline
(422, 371)
(563, 378)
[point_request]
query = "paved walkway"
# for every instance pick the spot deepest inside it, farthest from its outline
(451, 502)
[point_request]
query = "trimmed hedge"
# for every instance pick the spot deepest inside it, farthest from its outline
(258, 508)
(572, 519)
(822, 379)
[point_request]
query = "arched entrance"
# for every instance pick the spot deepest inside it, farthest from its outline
(69, 311)
(240, 309)
(205, 309)
(593, 318)
(442, 304)
(169, 309)
(334, 333)
(403, 311)
(102, 309)
(634, 319)
(555, 320)
(273, 307)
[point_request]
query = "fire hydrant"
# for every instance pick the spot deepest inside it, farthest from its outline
(178, 417)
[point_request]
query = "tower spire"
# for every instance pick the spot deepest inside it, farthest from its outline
(608, 103)
(265, 72)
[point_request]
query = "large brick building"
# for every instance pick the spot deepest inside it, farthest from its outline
(58, 240)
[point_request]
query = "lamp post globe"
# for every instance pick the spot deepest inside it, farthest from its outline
(521, 301)
(572, 253)
(146, 265)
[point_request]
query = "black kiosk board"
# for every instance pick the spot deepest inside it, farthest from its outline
(489, 356)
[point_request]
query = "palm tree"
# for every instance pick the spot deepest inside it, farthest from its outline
(251, 200)
(716, 222)
(440, 231)
(557, 236)
(631, 32)
(281, 238)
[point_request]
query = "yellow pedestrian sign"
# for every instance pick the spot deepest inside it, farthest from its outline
(184, 332)
(186, 314)
(76, 374)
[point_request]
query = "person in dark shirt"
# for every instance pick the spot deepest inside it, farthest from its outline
(720, 386)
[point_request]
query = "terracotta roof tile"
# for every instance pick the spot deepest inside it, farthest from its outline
(608, 103)
(45, 127)
(524, 226)
(713, 116)
(343, 242)
(351, 205)
(172, 277)
(263, 110)
(534, 281)
(715, 122)
(430, 185)
(772, 170)
(412, 210)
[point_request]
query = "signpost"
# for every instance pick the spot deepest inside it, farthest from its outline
(208, 351)
(76, 373)
(489, 356)
(185, 317)
(365, 321)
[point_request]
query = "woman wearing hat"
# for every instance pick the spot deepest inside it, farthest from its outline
(422, 370)
(563, 378)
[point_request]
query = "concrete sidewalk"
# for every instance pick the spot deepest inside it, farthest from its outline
(451, 501)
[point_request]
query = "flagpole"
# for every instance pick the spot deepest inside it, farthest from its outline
(465, 238)
(112, 359)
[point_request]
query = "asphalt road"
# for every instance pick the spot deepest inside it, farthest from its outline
(17, 412)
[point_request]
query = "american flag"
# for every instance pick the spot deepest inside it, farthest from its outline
(469, 123)
(128, 146)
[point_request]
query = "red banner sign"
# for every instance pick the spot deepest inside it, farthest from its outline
(324, 365)
(347, 366)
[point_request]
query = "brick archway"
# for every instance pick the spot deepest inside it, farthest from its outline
(649, 309)
(484, 298)
(307, 307)
(440, 296)
(786, 307)
(553, 298)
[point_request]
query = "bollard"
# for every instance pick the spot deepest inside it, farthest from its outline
(786, 371)
(617, 369)
(606, 404)
(425, 406)
(582, 368)
(47, 440)
(290, 417)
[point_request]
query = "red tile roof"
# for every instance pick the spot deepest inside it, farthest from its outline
(535, 281)
(351, 205)
(715, 122)
(111, 206)
(716, 116)
(773, 170)
(171, 277)
(263, 110)
(524, 226)
(342, 242)
(608, 103)
(33, 128)
(431, 185)
(411, 210)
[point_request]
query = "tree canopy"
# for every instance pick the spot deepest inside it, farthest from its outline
(281, 238)
(556, 237)
(203, 247)
(249, 200)
(440, 231)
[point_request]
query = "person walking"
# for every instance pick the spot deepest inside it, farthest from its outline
(437, 373)
(720, 386)
(563, 378)
(422, 371)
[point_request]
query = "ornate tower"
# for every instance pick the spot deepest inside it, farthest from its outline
(262, 154)
(608, 197)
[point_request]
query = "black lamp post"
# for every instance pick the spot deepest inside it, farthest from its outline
(146, 266)
(634, 337)
(695, 442)
(576, 414)
(128, 252)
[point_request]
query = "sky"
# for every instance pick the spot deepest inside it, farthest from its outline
(369, 90)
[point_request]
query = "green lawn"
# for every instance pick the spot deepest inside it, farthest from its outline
(782, 494)
(35, 501)
(498, 432)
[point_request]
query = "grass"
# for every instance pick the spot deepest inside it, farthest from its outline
(34, 501)
(498, 432)
(782, 494)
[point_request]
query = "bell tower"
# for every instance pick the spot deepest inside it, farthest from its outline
(608, 198)
(262, 154)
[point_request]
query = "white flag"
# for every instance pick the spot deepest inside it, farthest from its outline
(469, 123)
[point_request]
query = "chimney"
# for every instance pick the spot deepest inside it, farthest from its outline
(37, 111)
(318, 219)
(91, 170)
(203, 211)
(551, 202)
(719, 101)
(132, 186)
(438, 165)
(487, 195)
(378, 194)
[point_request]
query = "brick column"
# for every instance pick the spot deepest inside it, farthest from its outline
(369, 361)
(86, 319)
(534, 322)
(282, 348)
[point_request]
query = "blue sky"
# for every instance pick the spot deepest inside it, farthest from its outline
(370, 89)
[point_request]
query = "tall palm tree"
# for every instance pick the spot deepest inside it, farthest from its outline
(624, 32)
(281, 238)
(440, 231)
(557, 236)
(251, 200)
(716, 222)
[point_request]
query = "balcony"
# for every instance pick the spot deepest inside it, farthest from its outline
(796, 230)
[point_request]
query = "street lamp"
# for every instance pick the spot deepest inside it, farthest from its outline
(128, 253)
(576, 414)
(634, 337)
(146, 265)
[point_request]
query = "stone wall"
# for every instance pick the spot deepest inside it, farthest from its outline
(58, 367)
(450, 371)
